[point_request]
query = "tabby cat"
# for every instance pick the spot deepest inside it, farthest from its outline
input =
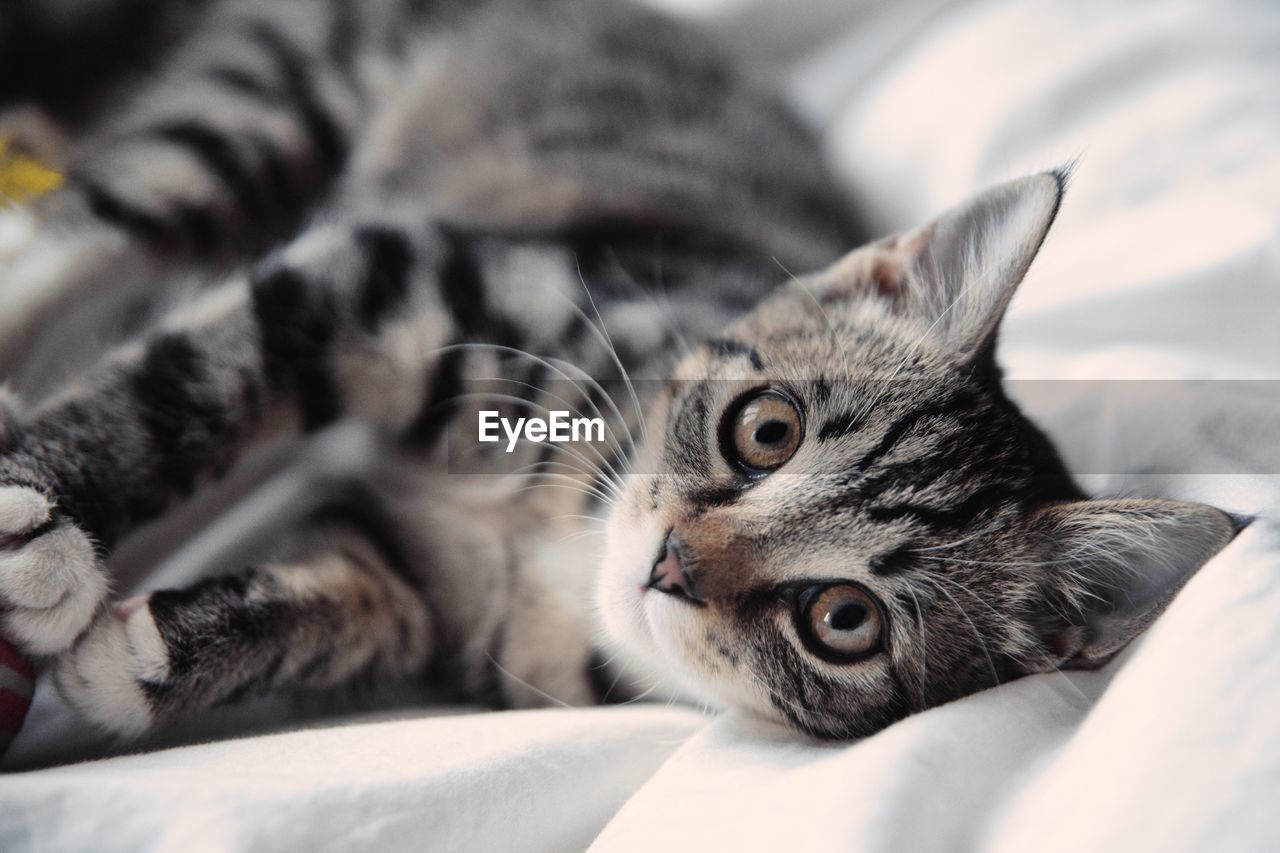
(821, 507)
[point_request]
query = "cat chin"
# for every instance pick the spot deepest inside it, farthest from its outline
(659, 636)
(630, 544)
(678, 634)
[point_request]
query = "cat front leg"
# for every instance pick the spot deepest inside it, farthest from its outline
(339, 323)
(51, 580)
(338, 609)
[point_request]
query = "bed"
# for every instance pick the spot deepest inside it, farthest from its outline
(1146, 339)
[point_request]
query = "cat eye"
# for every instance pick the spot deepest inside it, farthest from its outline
(763, 432)
(839, 622)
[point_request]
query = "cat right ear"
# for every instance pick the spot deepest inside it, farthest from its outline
(1112, 566)
(957, 273)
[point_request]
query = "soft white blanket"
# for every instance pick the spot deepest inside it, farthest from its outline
(1164, 265)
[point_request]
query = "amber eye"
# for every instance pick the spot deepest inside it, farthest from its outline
(765, 432)
(840, 622)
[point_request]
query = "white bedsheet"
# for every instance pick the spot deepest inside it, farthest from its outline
(1165, 264)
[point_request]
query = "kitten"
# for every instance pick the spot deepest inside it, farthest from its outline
(824, 510)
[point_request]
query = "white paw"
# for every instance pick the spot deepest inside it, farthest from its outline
(102, 676)
(51, 583)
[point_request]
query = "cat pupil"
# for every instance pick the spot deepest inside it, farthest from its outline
(846, 617)
(771, 432)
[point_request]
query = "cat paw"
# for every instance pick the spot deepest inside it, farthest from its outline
(103, 677)
(51, 581)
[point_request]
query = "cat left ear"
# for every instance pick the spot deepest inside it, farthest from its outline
(1112, 566)
(958, 272)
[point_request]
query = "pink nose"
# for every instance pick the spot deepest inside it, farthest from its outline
(670, 576)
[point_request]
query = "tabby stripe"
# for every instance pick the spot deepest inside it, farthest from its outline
(576, 330)
(282, 186)
(966, 511)
(904, 423)
(804, 685)
(707, 498)
(791, 714)
(892, 563)
(182, 420)
(358, 508)
(690, 424)
(908, 602)
(386, 283)
(244, 83)
(318, 664)
(297, 326)
(291, 64)
(726, 348)
(82, 489)
(443, 388)
(841, 425)
(198, 225)
(218, 155)
(462, 286)
(344, 34)
(119, 213)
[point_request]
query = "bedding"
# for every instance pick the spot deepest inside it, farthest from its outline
(1163, 271)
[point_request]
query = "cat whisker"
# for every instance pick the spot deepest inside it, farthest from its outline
(977, 635)
(982, 531)
(556, 365)
(616, 446)
(826, 318)
(581, 534)
(559, 448)
(924, 644)
(578, 312)
(1009, 563)
(906, 359)
(579, 516)
(645, 695)
(616, 476)
(664, 304)
(969, 592)
(1066, 679)
(544, 694)
(997, 614)
(796, 279)
(536, 469)
(574, 486)
(613, 352)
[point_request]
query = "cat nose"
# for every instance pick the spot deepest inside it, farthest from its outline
(669, 574)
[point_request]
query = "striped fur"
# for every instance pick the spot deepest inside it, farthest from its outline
(530, 205)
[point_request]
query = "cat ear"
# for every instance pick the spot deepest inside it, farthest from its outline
(1112, 566)
(959, 271)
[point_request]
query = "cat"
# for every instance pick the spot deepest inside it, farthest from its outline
(817, 503)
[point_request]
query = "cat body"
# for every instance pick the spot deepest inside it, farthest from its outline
(820, 506)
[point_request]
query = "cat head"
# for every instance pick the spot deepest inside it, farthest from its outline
(845, 520)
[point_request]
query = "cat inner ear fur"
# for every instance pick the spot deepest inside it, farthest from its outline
(1110, 567)
(957, 273)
